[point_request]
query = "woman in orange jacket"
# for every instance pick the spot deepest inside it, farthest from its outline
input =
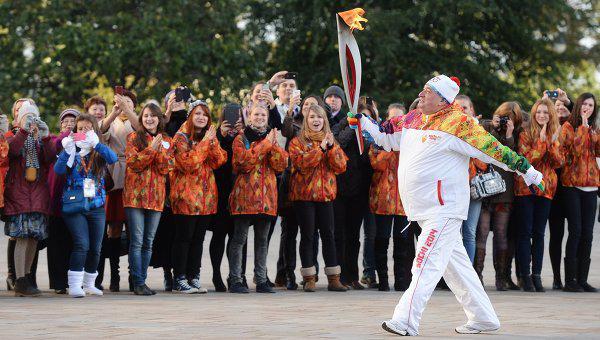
(149, 158)
(253, 201)
(193, 194)
(316, 160)
(539, 144)
(385, 203)
(581, 145)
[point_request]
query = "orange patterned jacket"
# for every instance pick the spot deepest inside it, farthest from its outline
(580, 148)
(545, 157)
(314, 171)
(255, 188)
(193, 187)
(146, 174)
(3, 167)
(384, 198)
(474, 165)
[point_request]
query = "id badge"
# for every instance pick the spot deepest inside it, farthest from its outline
(89, 188)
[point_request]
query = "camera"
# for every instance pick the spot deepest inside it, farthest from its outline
(552, 94)
(182, 94)
(503, 122)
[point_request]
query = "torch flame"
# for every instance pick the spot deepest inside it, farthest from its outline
(353, 18)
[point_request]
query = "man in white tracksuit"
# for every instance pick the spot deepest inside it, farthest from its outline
(436, 142)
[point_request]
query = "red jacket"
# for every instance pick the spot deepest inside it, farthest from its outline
(580, 148)
(22, 196)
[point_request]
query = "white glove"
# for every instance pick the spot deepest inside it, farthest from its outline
(69, 146)
(532, 176)
(92, 138)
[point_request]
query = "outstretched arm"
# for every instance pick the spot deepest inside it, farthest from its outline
(388, 141)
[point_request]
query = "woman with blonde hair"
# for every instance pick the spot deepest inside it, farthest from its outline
(316, 160)
(539, 144)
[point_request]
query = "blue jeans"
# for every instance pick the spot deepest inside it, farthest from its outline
(532, 213)
(469, 228)
(142, 224)
(86, 230)
(370, 230)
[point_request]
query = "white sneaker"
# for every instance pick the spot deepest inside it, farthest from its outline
(89, 284)
(466, 329)
(195, 283)
(391, 327)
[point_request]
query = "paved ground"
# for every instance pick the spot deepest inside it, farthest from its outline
(355, 314)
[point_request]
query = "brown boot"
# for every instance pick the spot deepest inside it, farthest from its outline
(499, 266)
(333, 276)
(479, 260)
(309, 276)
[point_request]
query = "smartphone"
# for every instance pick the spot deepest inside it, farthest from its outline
(265, 87)
(296, 93)
(78, 136)
(119, 90)
(552, 94)
(291, 75)
(231, 115)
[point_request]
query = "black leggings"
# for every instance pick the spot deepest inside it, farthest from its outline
(223, 228)
(581, 214)
(188, 244)
(313, 215)
(556, 221)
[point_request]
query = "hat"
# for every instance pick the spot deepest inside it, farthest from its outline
(446, 87)
(68, 112)
(29, 108)
(336, 91)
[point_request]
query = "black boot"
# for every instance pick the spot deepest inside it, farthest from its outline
(290, 281)
(571, 284)
(582, 276)
(100, 276)
(384, 284)
(168, 279)
(527, 283)
(479, 261)
(537, 283)
(218, 283)
(114, 253)
(508, 282)
(10, 261)
(24, 288)
(32, 276)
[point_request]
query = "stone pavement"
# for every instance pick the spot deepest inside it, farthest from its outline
(354, 314)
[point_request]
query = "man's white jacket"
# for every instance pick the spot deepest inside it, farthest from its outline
(433, 169)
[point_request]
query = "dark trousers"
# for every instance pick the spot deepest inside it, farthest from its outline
(286, 263)
(348, 216)
(532, 214)
(316, 216)
(188, 244)
(60, 245)
(404, 247)
(556, 221)
(580, 207)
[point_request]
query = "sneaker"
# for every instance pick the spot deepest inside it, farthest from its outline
(150, 290)
(239, 288)
(264, 288)
(466, 329)
(391, 327)
(182, 286)
(195, 283)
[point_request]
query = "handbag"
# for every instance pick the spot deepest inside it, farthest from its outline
(73, 201)
(487, 184)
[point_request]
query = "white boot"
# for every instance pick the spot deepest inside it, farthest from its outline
(89, 281)
(75, 282)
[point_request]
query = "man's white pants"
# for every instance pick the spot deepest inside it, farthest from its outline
(440, 251)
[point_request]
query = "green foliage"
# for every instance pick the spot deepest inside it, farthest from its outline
(62, 52)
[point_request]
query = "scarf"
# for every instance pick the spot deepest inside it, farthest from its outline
(32, 163)
(310, 136)
(254, 134)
